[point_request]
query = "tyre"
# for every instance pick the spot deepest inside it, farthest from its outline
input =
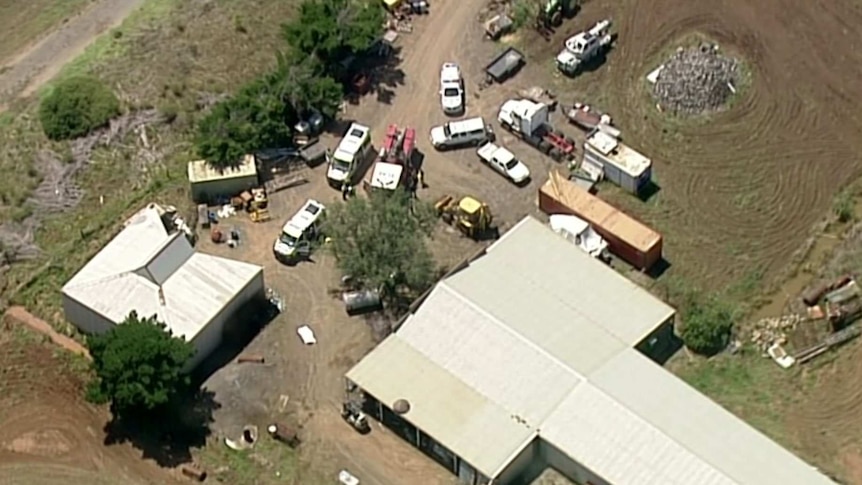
(555, 154)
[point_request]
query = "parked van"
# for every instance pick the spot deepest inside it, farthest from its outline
(352, 152)
(461, 133)
(298, 233)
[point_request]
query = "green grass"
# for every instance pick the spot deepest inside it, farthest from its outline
(24, 22)
(168, 53)
(747, 384)
(268, 463)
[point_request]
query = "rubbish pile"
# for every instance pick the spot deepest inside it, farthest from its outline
(773, 330)
(695, 80)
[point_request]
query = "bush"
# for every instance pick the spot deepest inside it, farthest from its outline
(843, 207)
(76, 107)
(708, 324)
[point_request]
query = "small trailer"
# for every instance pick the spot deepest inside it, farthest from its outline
(498, 25)
(505, 65)
(588, 119)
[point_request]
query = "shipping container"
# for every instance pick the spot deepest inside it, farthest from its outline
(209, 184)
(627, 238)
(621, 165)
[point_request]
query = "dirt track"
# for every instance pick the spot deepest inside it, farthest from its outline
(48, 435)
(34, 67)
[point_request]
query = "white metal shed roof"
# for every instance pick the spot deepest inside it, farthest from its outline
(144, 265)
(521, 329)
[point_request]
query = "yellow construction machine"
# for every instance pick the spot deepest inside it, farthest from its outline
(472, 217)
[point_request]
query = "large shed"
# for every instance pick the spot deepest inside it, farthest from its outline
(536, 355)
(151, 270)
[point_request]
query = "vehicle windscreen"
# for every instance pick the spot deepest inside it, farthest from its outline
(451, 92)
(340, 165)
(511, 164)
(288, 240)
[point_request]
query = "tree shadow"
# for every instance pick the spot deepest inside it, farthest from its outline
(168, 436)
(238, 333)
(382, 76)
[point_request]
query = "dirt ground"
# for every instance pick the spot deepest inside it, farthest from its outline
(48, 434)
(23, 23)
(744, 187)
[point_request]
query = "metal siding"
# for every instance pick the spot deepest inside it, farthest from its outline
(210, 190)
(84, 318)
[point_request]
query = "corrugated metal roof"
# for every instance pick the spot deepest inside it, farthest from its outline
(700, 425)
(453, 413)
(624, 449)
(143, 259)
(538, 332)
(538, 262)
(518, 375)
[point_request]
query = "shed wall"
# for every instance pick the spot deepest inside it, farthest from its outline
(211, 190)
(528, 465)
(210, 337)
(568, 467)
(660, 343)
(84, 318)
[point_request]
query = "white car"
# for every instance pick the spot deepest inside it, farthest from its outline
(451, 89)
(306, 334)
(504, 161)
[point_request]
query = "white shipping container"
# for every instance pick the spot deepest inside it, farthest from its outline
(621, 164)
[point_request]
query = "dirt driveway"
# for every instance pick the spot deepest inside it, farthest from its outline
(306, 383)
(38, 64)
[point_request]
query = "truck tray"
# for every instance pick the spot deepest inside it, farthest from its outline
(505, 65)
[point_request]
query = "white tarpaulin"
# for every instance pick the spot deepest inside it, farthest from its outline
(579, 233)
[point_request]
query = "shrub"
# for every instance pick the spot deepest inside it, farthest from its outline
(76, 107)
(843, 207)
(707, 325)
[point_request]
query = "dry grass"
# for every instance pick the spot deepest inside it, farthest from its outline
(171, 55)
(25, 22)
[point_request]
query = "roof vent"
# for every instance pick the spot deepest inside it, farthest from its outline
(161, 296)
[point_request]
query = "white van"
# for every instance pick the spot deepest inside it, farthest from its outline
(461, 133)
(299, 232)
(351, 153)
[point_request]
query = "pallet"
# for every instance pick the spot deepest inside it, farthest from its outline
(283, 183)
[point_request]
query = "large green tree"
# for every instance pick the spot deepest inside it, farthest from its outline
(305, 85)
(257, 117)
(707, 323)
(138, 366)
(76, 106)
(333, 30)
(381, 241)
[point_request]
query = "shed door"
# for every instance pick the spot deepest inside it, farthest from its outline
(466, 473)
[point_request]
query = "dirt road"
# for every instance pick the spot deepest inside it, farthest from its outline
(32, 68)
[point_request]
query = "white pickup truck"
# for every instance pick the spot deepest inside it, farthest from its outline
(504, 161)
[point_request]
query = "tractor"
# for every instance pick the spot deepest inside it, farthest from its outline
(473, 218)
(551, 13)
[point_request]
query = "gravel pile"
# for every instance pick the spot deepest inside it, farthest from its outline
(696, 80)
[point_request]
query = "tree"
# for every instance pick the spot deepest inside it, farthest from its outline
(138, 366)
(257, 117)
(708, 324)
(305, 85)
(77, 106)
(380, 241)
(333, 30)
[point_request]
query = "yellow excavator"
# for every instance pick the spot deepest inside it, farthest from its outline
(472, 217)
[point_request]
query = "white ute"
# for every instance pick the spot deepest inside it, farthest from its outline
(451, 89)
(299, 232)
(580, 233)
(504, 161)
